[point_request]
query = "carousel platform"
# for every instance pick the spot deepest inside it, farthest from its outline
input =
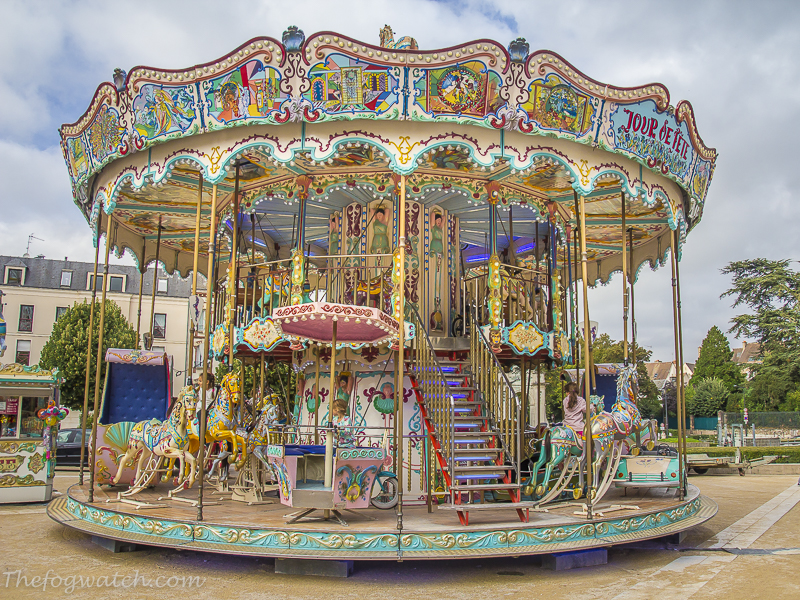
(231, 527)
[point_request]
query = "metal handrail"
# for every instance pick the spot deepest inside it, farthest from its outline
(442, 402)
(489, 372)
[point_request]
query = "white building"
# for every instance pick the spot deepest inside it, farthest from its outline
(38, 290)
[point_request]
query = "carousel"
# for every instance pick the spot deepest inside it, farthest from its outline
(390, 247)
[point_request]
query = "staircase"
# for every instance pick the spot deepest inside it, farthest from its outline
(473, 421)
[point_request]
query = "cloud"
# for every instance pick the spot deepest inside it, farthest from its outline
(735, 61)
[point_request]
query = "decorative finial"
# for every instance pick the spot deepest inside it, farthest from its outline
(519, 49)
(293, 39)
(119, 79)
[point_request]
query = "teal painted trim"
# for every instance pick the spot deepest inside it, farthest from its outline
(452, 542)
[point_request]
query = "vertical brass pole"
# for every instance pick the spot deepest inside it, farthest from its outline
(89, 349)
(624, 284)
(99, 363)
(587, 361)
(234, 271)
(201, 454)
(632, 277)
(195, 253)
(197, 234)
(678, 366)
(317, 400)
(142, 269)
(680, 348)
(155, 282)
(399, 421)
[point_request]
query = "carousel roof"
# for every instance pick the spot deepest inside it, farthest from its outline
(352, 117)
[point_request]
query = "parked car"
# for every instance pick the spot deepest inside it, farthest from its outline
(68, 448)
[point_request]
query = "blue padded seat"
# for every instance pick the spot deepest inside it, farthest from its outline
(135, 393)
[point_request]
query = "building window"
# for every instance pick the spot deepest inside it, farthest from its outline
(25, 317)
(23, 352)
(197, 360)
(99, 282)
(115, 283)
(60, 310)
(13, 276)
(160, 326)
(66, 278)
(158, 349)
(162, 286)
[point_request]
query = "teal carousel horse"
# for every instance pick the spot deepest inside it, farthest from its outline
(167, 439)
(623, 426)
(567, 445)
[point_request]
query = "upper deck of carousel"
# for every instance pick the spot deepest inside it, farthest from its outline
(339, 121)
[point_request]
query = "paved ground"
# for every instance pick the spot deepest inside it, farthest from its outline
(749, 550)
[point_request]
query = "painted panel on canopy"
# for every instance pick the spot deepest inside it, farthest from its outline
(554, 104)
(642, 131)
(343, 84)
(249, 92)
(106, 135)
(174, 194)
(164, 111)
(469, 89)
(147, 223)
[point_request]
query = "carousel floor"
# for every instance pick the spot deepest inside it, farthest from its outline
(236, 528)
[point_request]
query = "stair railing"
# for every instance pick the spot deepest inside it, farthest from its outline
(503, 407)
(432, 383)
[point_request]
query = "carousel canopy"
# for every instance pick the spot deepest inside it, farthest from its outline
(336, 121)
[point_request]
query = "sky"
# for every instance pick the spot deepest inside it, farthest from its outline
(736, 62)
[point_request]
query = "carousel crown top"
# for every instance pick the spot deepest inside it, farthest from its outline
(338, 122)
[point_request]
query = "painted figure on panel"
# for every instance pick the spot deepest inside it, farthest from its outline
(380, 232)
(344, 387)
(229, 99)
(436, 252)
(333, 235)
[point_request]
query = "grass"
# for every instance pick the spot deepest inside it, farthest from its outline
(674, 440)
(786, 454)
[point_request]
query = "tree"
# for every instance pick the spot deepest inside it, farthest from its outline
(606, 350)
(66, 348)
(280, 378)
(715, 361)
(710, 396)
(770, 289)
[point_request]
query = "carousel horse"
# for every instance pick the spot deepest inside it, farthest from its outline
(168, 439)
(221, 421)
(610, 431)
(566, 445)
(262, 434)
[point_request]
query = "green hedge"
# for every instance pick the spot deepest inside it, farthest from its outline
(787, 454)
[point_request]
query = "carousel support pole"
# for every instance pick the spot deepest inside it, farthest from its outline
(399, 365)
(262, 369)
(234, 271)
(99, 363)
(298, 259)
(680, 372)
(631, 278)
(89, 349)
(495, 300)
(624, 284)
(206, 335)
(155, 283)
(678, 366)
(142, 269)
(329, 435)
(317, 399)
(190, 349)
(587, 356)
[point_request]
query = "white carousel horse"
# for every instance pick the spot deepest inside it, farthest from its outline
(168, 439)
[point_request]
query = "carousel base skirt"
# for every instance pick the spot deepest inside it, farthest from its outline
(231, 527)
